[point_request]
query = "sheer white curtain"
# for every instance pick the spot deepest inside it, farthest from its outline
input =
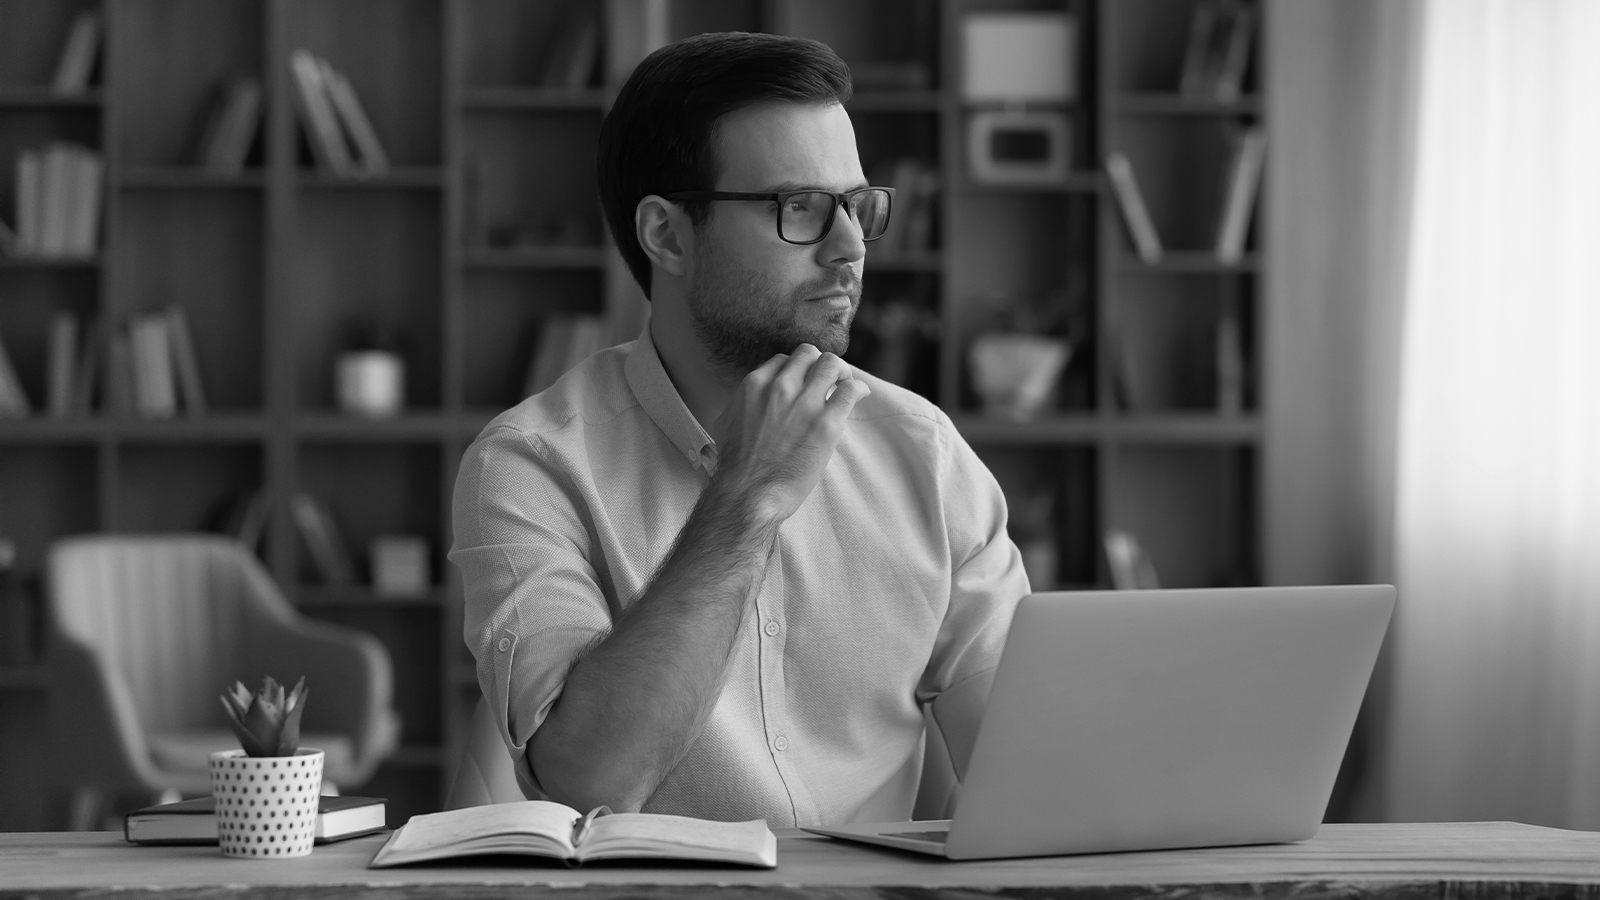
(1496, 645)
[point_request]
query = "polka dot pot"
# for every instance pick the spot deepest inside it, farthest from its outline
(266, 805)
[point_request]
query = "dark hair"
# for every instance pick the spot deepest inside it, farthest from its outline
(658, 136)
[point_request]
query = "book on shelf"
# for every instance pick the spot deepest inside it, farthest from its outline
(155, 390)
(61, 364)
(564, 341)
(58, 197)
(87, 375)
(368, 152)
(185, 363)
(231, 128)
(116, 383)
(1130, 566)
(14, 402)
(194, 821)
(1230, 362)
(330, 555)
(1134, 212)
(555, 830)
(78, 52)
(1217, 50)
(916, 187)
(1242, 185)
(575, 49)
(318, 118)
(244, 517)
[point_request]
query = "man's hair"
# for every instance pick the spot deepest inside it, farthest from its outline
(659, 136)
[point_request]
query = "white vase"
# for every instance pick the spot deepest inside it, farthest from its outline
(266, 805)
(1014, 372)
(370, 383)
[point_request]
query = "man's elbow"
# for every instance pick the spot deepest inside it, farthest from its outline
(583, 779)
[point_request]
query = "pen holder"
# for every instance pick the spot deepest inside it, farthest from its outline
(266, 805)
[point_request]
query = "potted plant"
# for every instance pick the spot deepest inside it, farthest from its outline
(267, 792)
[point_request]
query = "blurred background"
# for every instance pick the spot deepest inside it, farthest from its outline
(1225, 292)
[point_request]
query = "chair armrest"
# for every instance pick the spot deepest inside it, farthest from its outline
(94, 724)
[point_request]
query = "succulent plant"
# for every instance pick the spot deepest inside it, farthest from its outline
(267, 722)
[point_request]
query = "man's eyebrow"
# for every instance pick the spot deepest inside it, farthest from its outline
(784, 187)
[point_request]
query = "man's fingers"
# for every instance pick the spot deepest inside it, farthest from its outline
(847, 393)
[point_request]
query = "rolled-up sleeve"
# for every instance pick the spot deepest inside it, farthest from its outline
(986, 574)
(533, 602)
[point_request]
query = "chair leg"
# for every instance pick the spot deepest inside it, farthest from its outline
(84, 808)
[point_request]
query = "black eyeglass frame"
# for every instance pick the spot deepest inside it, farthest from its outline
(841, 198)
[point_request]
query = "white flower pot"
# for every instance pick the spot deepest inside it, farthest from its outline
(266, 805)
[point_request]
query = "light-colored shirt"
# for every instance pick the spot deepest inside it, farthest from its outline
(894, 581)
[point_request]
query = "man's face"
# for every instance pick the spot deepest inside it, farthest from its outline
(751, 294)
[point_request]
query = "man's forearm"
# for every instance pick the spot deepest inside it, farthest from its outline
(632, 706)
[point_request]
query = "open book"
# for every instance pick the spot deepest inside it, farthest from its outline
(545, 828)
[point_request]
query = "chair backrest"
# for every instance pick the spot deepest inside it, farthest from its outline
(167, 613)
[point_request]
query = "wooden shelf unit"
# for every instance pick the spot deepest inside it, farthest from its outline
(488, 224)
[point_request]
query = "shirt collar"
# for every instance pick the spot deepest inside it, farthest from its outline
(647, 377)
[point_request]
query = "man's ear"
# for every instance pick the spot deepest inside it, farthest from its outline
(665, 234)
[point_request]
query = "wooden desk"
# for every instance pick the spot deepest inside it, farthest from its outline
(1479, 861)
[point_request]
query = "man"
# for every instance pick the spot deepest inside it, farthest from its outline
(716, 571)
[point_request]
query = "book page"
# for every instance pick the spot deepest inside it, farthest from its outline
(647, 836)
(537, 827)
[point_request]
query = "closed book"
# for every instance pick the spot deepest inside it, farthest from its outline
(61, 364)
(76, 62)
(370, 156)
(235, 118)
(1239, 194)
(87, 377)
(30, 202)
(1137, 216)
(116, 386)
(329, 554)
(317, 116)
(13, 399)
(155, 393)
(1228, 82)
(185, 364)
(195, 821)
(87, 170)
(555, 830)
(58, 179)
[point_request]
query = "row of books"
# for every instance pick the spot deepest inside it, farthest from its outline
(916, 185)
(336, 126)
(398, 563)
(1218, 50)
(145, 367)
(1241, 187)
(59, 190)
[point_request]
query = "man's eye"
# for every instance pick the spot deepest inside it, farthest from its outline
(797, 205)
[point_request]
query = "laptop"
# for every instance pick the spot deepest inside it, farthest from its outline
(1159, 719)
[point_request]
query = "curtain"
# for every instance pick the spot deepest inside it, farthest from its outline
(1496, 643)
(1341, 112)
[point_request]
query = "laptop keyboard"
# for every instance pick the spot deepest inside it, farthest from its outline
(938, 837)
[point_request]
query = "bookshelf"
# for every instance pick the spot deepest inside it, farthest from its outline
(485, 226)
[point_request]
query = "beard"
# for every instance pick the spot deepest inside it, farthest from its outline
(743, 317)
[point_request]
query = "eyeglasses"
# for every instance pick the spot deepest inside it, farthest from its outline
(806, 217)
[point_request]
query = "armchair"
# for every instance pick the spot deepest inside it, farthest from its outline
(146, 633)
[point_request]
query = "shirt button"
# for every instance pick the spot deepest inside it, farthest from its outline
(781, 744)
(504, 645)
(772, 629)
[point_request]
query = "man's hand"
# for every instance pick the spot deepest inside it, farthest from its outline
(782, 425)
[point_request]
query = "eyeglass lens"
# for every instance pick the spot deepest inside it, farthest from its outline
(805, 217)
